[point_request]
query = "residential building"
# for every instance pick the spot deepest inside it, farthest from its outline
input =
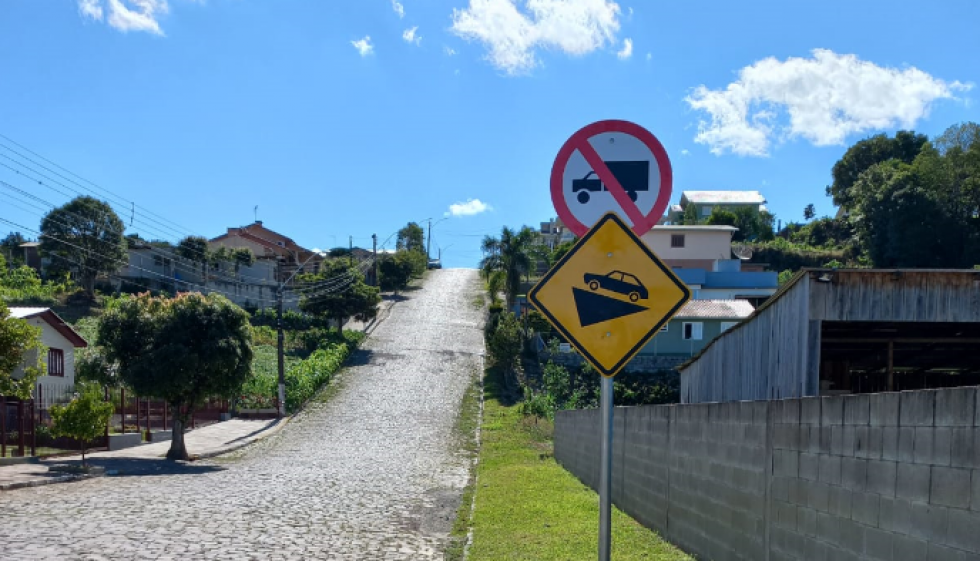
(695, 325)
(830, 332)
(61, 341)
(706, 201)
(32, 255)
(272, 246)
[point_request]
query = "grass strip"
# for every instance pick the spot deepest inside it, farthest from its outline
(529, 507)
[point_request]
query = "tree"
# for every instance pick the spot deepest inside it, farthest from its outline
(84, 235)
(559, 252)
(690, 215)
(84, 418)
(904, 146)
(511, 255)
(411, 238)
(752, 224)
(10, 247)
(809, 212)
(396, 270)
(346, 296)
(195, 249)
(183, 350)
(505, 341)
(20, 349)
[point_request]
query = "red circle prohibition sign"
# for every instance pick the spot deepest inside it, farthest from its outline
(641, 223)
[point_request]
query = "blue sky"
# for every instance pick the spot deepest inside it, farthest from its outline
(337, 119)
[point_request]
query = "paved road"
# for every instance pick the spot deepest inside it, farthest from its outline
(373, 473)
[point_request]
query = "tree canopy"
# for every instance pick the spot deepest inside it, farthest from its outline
(183, 350)
(904, 146)
(411, 238)
(396, 270)
(84, 235)
(20, 346)
(345, 297)
(511, 255)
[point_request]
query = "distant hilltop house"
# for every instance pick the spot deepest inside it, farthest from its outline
(272, 246)
(705, 202)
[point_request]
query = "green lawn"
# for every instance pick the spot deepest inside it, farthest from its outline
(529, 507)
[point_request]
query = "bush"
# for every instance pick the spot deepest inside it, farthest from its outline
(505, 342)
(291, 320)
(84, 418)
(538, 405)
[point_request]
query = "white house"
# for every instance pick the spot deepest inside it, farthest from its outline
(61, 341)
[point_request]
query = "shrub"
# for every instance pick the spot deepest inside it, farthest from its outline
(83, 418)
(505, 342)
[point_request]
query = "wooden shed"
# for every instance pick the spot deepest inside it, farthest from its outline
(830, 332)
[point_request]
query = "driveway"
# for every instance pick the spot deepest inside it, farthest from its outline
(374, 472)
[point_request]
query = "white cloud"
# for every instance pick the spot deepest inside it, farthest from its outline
(410, 35)
(398, 7)
(449, 51)
(627, 50)
(685, 152)
(91, 9)
(512, 36)
(469, 208)
(826, 98)
(363, 46)
(649, 57)
(127, 15)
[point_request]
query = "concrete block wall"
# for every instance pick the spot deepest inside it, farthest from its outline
(890, 476)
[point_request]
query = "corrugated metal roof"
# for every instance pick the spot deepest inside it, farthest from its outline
(725, 197)
(716, 309)
(21, 313)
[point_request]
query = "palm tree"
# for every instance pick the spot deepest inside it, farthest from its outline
(510, 255)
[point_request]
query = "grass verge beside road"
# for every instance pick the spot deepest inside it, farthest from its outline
(529, 507)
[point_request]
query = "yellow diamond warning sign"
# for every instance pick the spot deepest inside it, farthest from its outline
(609, 295)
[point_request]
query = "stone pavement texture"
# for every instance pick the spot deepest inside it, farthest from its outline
(374, 472)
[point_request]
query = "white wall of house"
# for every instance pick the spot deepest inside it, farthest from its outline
(53, 340)
(733, 293)
(699, 242)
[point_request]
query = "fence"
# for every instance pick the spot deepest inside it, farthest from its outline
(882, 476)
(25, 424)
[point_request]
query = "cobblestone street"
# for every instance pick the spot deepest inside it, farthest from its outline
(375, 472)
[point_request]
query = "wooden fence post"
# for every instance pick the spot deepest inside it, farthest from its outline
(138, 414)
(122, 404)
(109, 422)
(20, 428)
(33, 429)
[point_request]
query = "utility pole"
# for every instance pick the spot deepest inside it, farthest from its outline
(281, 343)
(377, 279)
(428, 243)
(280, 334)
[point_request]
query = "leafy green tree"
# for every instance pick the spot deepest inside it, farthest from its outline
(809, 212)
(904, 146)
(10, 247)
(84, 235)
(511, 255)
(183, 350)
(195, 249)
(341, 299)
(560, 251)
(396, 270)
(21, 278)
(20, 349)
(690, 215)
(411, 238)
(722, 217)
(84, 418)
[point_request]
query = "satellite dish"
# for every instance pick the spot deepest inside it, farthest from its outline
(743, 252)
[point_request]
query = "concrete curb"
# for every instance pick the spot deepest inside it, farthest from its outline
(45, 481)
(266, 433)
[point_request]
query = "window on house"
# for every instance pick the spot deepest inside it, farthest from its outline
(281, 244)
(677, 240)
(693, 331)
(726, 325)
(56, 362)
(663, 329)
(706, 211)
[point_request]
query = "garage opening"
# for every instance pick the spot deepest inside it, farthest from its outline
(863, 357)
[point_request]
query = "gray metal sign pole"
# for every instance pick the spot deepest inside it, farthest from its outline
(605, 468)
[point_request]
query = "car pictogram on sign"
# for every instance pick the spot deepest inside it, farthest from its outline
(632, 176)
(619, 282)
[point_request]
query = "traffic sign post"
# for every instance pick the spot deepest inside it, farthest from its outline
(611, 166)
(609, 295)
